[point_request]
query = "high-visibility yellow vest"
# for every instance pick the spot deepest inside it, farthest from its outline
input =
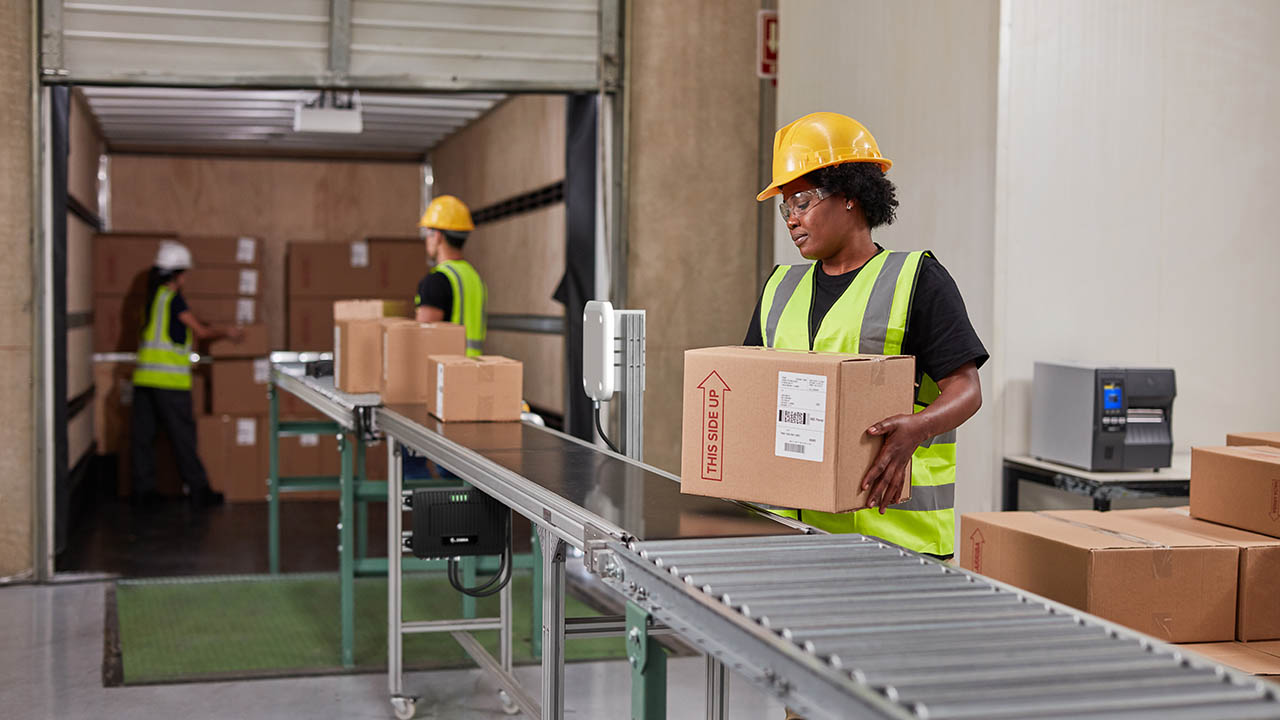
(469, 297)
(871, 318)
(163, 363)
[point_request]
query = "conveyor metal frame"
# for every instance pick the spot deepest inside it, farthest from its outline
(769, 654)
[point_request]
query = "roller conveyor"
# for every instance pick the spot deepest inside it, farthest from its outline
(847, 626)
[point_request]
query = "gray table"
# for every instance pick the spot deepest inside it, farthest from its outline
(1101, 487)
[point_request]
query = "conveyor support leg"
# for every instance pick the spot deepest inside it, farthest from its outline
(273, 482)
(346, 555)
(648, 667)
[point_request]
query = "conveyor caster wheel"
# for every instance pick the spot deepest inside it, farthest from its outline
(404, 707)
(508, 706)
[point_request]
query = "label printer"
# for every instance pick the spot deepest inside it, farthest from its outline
(1102, 418)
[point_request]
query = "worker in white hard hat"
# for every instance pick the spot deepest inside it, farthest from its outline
(162, 379)
(452, 291)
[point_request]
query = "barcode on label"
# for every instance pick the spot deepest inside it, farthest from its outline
(795, 417)
(793, 447)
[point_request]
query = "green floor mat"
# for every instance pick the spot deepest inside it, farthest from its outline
(263, 626)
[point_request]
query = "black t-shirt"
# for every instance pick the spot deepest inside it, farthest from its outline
(435, 291)
(938, 334)
(177, 328)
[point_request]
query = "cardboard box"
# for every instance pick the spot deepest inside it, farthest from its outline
(113, 404)
(254, 344)
(118, 319)
(234, 281)
(224, 250)
(304, 456)
(233, 449)
(310, 324)
(357, 355)
(1237, 486)
(1271, 439)
(371, 309)
(239, 387)
(1260, 659)
(787, 427)
(121, 261)
(475, 389)
(1258, 585)
(1172, 585)
(405, 349)
(225, 309)
(365, 268)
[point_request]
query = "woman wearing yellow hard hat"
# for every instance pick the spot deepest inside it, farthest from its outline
(858, 297)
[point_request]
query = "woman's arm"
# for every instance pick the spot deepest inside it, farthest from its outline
(960, 398)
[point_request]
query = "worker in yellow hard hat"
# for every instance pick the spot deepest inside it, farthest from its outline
(858, 297)
(452, 290)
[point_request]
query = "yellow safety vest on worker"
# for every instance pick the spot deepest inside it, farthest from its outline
(871, 318)
(163, 363)
(469, 298)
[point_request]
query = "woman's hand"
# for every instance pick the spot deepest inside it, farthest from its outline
(902, 435)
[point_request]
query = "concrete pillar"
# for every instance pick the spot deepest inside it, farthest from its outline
(694, 149)
(17, 466)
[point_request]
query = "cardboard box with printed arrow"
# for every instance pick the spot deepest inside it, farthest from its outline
(788, 428)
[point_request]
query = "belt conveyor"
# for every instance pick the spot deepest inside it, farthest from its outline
(845, 626)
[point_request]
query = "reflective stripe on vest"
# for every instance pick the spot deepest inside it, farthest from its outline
(163, 363)
(470, 297)
(871, 318)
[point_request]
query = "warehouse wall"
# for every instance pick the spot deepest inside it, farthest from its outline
(692, 261)
(17, 466)
(84, 148)
(276, 200)
(517, 147)
(922, 77)
(1138, 190)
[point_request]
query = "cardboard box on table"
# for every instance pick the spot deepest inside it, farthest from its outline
(1261, 658)
(1271, 439)
(406, 347)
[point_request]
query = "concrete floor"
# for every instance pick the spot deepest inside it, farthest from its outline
(51, 642)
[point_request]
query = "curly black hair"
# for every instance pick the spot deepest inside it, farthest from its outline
(863, 183)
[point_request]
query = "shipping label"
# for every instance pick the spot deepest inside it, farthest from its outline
(440, 389)
(801, 419)
(309, 440)
(246, 249)
(248, 282)
(261, 371)
(359, 254)
(246, 311)
(246, 432)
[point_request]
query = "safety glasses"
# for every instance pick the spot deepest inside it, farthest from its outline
(802, 202)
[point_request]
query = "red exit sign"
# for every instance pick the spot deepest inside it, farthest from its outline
(767, 44)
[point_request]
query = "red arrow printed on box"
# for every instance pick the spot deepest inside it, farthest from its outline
(976, 542)
(715, 392)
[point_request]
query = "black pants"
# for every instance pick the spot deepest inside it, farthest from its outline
(170, 409)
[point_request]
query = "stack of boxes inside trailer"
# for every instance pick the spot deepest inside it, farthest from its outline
(229, 389)
(1207, 576)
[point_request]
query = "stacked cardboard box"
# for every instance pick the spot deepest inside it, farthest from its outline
(322, 273)
(224, 288)
(1207, 575)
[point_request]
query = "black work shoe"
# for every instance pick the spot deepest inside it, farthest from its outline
(206, 497)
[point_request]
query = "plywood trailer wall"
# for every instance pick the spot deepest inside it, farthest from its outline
(276, 200)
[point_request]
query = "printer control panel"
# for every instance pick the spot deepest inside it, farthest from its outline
(1114, 415)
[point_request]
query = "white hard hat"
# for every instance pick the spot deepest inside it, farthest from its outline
(173, 256)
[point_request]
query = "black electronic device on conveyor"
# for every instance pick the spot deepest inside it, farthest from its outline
(320, 368)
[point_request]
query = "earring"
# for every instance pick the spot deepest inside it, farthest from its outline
(848, 206)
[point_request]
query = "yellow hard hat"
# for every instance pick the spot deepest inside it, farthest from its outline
(819, 140)
(447, 213)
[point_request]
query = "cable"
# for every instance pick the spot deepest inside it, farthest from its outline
(600, 430)
(494, 584)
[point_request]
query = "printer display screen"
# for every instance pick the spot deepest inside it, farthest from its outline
(1112, 396)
